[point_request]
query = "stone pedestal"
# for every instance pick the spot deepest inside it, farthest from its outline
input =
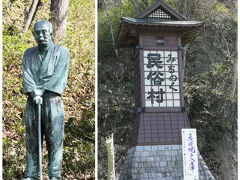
(159, 162)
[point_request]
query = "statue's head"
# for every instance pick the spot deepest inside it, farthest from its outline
(43, 32)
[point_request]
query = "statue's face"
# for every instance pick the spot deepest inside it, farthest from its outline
(42, 34)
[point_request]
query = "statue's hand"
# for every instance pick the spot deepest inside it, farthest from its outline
(38, 100)
(39, 92)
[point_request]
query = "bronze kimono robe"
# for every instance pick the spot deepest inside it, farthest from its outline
(49, 74)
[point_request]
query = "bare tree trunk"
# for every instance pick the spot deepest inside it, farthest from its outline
(111, 29)
(184, 58)
(139, 5)
(185, 13)
(145, 2)
(135, 7)
(235, 75)
(58, 18)
(184, 10)
(30, 15)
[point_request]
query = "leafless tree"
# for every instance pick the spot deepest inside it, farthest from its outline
(111, 28)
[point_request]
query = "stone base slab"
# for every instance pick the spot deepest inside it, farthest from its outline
(162, 162)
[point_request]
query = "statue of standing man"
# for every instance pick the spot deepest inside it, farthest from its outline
(45, 71)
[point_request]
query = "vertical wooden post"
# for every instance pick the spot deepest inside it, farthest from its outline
(111, 161)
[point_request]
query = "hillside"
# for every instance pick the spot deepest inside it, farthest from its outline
(210, 82)
(78, 160)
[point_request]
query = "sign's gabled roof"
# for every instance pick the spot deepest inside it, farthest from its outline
(163, 8)
(159, 17)
(163, 22)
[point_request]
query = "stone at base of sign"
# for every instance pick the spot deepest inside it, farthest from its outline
(163, 162)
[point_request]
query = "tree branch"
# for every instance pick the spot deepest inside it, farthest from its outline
(111, 29)
(30, 15)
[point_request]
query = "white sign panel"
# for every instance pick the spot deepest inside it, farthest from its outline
(161, 79)
(190, 154)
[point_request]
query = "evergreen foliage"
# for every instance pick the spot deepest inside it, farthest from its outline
(78, 160)
(209, 82)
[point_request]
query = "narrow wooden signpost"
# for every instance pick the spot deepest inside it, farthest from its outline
(111, 159)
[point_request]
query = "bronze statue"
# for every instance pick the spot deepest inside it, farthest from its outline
(45, 71)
